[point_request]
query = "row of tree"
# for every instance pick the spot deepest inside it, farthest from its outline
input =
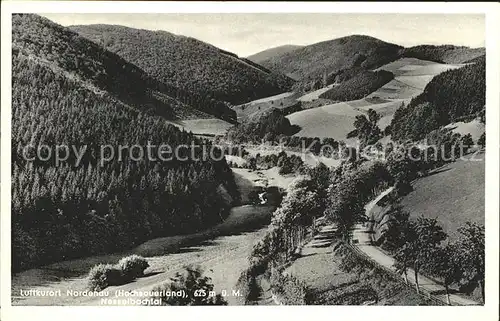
(305, 201)
(287, 163)
(419, 245)
(416, 244)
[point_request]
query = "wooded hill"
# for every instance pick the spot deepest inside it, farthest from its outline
(449, 97)
(359, 86)
(66, 90)
(327, 58)
(320, 64)
(447, 54)
(189, 64)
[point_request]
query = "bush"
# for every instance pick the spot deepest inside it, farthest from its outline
(247, 283)
(290, 290)
(103, 275)
(133, 266)
(196, 289)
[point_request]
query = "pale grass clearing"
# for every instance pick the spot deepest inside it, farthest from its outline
(263, 178)
(209, 126)
(404, 65)
(474, 127)
(431, 69)
(315, 94)
(335, 121)
(418, 82)
(417, 67)
(270, 98)
(395, 89)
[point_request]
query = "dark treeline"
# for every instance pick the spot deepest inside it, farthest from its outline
(287, 163)
(450, 96)
(189, 64)
(358, 86)
(59, 48)
(266, 126)
(273, 127)
(67, 211)
(447, 54)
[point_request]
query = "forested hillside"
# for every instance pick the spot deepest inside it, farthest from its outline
(189, 64)
(359, 86)
(447, 54)
(327, 58)
(68, 91)
(450, 96)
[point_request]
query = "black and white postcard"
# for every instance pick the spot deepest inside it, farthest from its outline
(232, 154)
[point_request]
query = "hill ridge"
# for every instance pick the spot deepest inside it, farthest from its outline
(189, 64)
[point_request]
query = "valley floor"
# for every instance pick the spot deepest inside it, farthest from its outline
(223, 259)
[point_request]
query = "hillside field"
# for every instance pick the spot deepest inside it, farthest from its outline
(411, 77)
(336, 120)
(454, 194)
(253, 108)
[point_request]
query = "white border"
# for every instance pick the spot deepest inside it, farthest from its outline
(488, 312)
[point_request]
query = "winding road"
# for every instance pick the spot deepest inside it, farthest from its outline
(362, 237)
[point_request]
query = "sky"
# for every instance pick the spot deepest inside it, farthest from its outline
(249, 33)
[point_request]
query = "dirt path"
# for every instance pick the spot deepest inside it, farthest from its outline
(223, 258)
(363, 242)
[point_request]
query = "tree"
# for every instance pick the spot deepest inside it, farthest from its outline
(367, 129)
(253, 197)
(405, 240)
(197, 288)
(444, 263)
(423, 238)
(429, 237)
(482, 140)
(467, 142)
(470, 249)
(398, 229)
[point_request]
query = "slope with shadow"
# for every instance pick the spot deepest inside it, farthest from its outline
(69, 93)
(195, 67)
(332, 56)
(53, 47)
(272, 52)
(447, 54)
(359, 86)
